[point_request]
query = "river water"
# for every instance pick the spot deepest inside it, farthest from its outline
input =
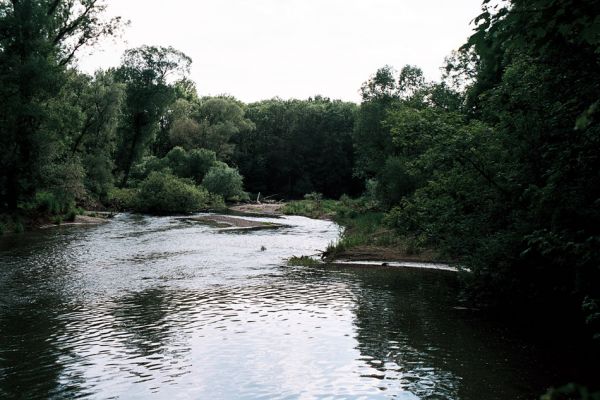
(148, 307)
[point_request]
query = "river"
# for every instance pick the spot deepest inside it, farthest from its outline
(159, 307)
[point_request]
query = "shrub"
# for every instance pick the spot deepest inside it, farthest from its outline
(122, 199)
(216, 202)
(65, 182)
(163, 193)
(200, 161)
(50, 204)
(225, 181)
(46, 202)
(149, 164)
(177, 161)
(71, 215)
(181, 163)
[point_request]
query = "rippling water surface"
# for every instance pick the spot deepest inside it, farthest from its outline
(161, 308)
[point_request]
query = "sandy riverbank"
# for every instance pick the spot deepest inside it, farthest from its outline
(226, 222)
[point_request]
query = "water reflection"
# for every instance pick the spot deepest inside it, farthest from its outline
(31, 364)
(157, 308)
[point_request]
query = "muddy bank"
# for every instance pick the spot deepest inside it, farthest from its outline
(385, 254)
(80, 220)
(232, 223)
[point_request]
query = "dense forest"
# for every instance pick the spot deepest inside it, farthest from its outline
(497, 165)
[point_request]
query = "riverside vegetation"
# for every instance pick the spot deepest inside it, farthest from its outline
(496, 167)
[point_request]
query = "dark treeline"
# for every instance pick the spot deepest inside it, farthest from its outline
(299, 147)
(497, 165)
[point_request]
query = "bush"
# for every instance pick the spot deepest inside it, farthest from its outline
(181, 163)
(65, 182)
(225, 181)
(51, 205)
(200, 161)
(216, 202)
(177, 161)
(46, 202)
(149, 164)
(122, 199)
(163, 193)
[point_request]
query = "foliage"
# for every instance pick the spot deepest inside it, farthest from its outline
(122, 199)
(508, 183)
(39, 40)
(311, 207)
(303, 261)
(146, 72)
(226, 182)
(162, 193)
(298, 147)
(210, 123)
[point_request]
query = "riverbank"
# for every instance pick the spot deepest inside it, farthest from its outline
(19, 223)
(79, 220)
(365, 238)
(225, 222)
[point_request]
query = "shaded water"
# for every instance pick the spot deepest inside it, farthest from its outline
(162, 308)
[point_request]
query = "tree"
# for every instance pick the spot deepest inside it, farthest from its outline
(510, 178)
(38, 40)
(147, 72)
(211, 123)
(298, 146)
(225, 181)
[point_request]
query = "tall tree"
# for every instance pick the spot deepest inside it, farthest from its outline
(38, 40)
(210, 123)
(148, 73)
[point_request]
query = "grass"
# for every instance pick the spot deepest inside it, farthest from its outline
(303, 261)
(322, 209)
(364, 228)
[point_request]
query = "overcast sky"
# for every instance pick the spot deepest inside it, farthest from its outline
(259, 49)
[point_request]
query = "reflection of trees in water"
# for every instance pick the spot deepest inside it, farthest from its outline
(31, 360)
(34, 314)
(409, 332)
(141, 316)
(144, 323)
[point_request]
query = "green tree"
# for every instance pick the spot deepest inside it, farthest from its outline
(298, 146)
(162, 193)
(211, 123)
(38, 40)
(225, 181)
(147, 72)
(372, 140)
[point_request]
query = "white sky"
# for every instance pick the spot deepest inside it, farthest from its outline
(259, 49)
